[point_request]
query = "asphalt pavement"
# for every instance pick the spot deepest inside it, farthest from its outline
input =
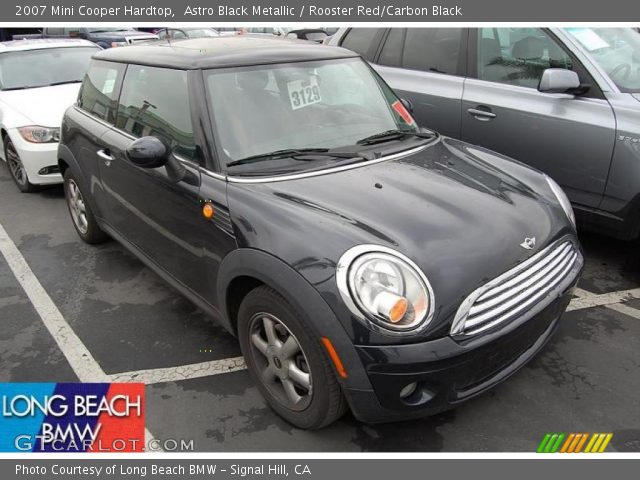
(74, 312)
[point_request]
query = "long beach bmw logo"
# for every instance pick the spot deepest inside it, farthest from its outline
(529, 243)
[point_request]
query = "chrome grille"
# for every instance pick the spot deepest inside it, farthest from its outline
(514, 292)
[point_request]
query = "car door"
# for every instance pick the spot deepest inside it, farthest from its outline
(426, 66)
(569, 137)
(151, 209)
(91, 119)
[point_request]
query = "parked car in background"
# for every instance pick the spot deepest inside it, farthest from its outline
(566, 101)
(312, 34)
(285, 189)
(229, 31)
(186, 32)
(105, 37)
(18, 33)
(277, 31)
(39, 79)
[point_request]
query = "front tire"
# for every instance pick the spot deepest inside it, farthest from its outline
(16, 168)
(81, 214)
(286, 361)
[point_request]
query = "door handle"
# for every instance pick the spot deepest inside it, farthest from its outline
(106, 156)
(483, 115)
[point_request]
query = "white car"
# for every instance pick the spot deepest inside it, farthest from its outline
(39, 80)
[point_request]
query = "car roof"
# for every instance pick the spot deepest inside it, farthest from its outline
(40, 43)
(219, 52)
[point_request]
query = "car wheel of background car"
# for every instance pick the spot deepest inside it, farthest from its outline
(16, 168)
(287, 362)
(83, 220)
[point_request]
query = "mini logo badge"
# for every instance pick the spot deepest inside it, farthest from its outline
(529, 243)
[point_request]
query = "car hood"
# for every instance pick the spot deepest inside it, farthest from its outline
(41, 106)
(459, 211)
(636, 96)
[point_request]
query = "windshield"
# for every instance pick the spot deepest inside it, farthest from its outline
(616, 50)
(308, 105)
(44, 67)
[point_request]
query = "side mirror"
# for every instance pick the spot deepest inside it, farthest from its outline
(148, 152)
(558, 80)
(407, 104)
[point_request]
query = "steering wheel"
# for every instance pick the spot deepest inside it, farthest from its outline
(623, 69)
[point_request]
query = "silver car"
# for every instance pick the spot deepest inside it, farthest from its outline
(566, 101)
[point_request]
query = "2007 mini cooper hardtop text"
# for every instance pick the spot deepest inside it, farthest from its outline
(362, 261)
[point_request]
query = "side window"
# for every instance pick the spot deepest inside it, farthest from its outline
(178, 34)
(155, 102)
(433, 50)
(360, 40)
(518, 56)
(100, 88)
(392, 49)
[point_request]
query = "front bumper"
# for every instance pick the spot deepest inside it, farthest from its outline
(35, 157)
(448, 372)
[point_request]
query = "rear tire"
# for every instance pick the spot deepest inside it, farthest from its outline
(287, 362)
(81, 214)
(16, 168)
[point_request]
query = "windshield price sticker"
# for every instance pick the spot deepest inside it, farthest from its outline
(304, 93)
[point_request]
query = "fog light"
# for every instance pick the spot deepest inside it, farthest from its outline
(408, 390)
(49, 170)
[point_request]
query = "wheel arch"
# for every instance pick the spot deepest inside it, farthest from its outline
(66, 161)
(244, 269)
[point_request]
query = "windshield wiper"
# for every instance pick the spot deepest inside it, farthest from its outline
(392, 135)
(294, 153)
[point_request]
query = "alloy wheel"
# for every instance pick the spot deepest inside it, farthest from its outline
(77, 207)
(281, 362)
(15, 165)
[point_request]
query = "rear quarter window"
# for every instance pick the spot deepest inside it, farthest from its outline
(100, 88)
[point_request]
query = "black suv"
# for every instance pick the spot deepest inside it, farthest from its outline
(281, 186)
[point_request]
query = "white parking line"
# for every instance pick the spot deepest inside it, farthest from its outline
(603, 299)
(626, 310)
(80, 359)
(183, 372)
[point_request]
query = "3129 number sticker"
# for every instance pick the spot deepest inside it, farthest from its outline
(303, 94)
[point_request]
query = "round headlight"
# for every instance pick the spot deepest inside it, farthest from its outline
(385, 288)
(562, 199)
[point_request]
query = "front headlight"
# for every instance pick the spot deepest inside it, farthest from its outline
(385, 289)
(562, 199)
(37, 134)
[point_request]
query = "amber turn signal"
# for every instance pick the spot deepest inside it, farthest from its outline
(207, 211)
(335, 358)
(398, 310)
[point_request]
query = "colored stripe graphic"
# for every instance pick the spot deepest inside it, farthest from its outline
(598, 442)
(550, 443)
(574, 442)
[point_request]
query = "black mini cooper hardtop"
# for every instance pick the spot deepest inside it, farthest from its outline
(363, 262)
